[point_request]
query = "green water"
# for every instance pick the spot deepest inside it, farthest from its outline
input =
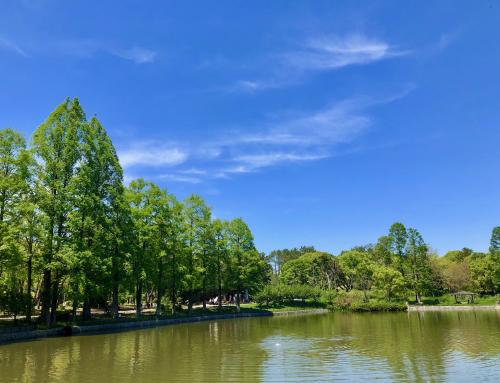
(456, 346)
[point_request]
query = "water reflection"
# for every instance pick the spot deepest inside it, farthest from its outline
(388, 347)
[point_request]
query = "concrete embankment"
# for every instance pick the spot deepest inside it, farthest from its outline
(18, 336)
(453, 308)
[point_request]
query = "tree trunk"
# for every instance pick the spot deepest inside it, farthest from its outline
(46, 295)
(238, 308)
(219, 301)
(190, 298)
(29, 300)
(86, 311)
(138, 298)
(114, 293)
(204, 294)
(174, 287)
(159, 291)
(55, 298)
(73, 310)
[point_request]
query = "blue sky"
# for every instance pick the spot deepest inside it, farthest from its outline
(320, 123)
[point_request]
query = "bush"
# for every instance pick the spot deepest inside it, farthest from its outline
(329, 296)
(377, 306)
(276, 295)
(354, 301)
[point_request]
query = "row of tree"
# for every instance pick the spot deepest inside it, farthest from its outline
(399, 264)
(71, 232)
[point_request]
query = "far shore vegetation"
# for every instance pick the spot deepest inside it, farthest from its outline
(79, 246)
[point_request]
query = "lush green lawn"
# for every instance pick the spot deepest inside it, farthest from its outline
(294, 306)
(449, 300)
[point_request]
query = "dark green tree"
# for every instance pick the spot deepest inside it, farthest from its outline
(56, 146)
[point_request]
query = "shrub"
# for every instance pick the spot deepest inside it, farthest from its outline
(354, 301)
(275, 295)
(377, 306)
(329, 296)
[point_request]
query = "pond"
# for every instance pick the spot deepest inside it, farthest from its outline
(431, 346)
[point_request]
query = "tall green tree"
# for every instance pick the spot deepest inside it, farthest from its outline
(140, 196)
(166, 215)
(14, 175)
(31, 222)
(247, 268)
(495, 240)
(221, 250)
(56, 145)
(197, 217)
(98, 187)
(208, 261)
(358, 269)
(399, 238)
(176, 249)
(418, 261)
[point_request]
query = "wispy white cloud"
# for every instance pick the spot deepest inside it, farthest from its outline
(321, 53)
(247, 163)
(136, 54)
(329, 53)
(444, 41)
(180, 178)
(288, 138)
(253, 86)
(8, 44)
(152, 153)
(339, 122)
(88, 48)
(193, 171)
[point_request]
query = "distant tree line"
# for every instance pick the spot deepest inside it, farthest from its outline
(398, 265)
(72, 234)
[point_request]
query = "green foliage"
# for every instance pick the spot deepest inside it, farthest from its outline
(485, 273)
(358, 269)
(355, 300)
(279, 257)
(317, 269)
(377, 306)
(389, 280)
(495, 240)
(72, 233)
(276, 295)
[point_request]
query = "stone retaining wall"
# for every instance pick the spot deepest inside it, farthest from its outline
(17, 336)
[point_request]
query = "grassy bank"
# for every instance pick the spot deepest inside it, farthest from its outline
(289, 306)
(449, 300)
(370, 306)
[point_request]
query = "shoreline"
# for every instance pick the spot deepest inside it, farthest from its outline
(107, 328)
(424, 308)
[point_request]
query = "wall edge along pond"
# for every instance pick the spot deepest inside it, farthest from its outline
(18, 336)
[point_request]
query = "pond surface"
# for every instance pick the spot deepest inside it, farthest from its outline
(448, 346)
